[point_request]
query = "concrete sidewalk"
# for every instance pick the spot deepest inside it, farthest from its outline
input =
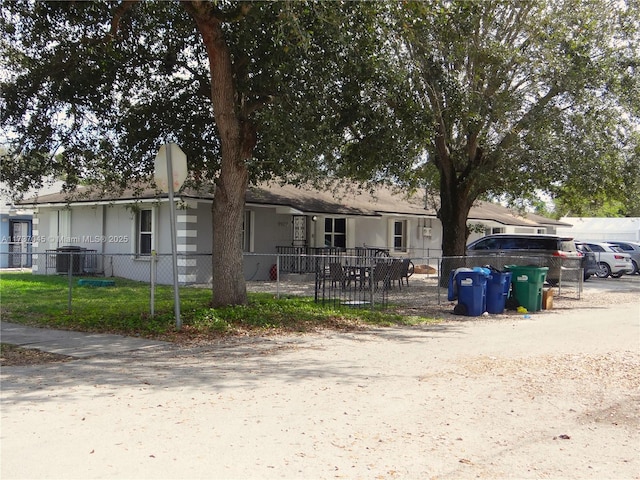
(74, 344)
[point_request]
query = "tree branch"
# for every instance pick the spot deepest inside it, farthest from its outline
(118, 13)
(209, 9)
(527, 117)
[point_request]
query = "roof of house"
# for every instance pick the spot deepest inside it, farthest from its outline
(506, 216)
(340, 200)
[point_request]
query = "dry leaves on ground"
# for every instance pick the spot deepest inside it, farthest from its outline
(13, 355)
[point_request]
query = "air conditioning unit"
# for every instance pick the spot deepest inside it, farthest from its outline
(426, 232)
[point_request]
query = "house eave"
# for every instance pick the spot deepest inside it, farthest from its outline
(95, 203)
(287, 210)
(407, 214)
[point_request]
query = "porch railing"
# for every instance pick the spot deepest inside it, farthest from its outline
(302, 259)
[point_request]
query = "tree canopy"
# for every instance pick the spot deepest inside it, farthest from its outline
(249, 90)
(91, 89)
(526, 97)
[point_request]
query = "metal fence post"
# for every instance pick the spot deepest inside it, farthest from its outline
(278, 276)
(439, 263)
(70, 272)
(372, 284)
(152, 281)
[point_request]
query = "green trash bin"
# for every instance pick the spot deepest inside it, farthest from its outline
(527, 284)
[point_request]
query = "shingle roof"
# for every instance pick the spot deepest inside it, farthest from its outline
(336, 201)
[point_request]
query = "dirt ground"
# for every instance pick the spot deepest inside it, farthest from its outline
(552, 396)
(12, 355)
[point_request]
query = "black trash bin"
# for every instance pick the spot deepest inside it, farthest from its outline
(70, 257)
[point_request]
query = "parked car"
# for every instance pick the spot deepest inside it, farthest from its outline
(589, 261)
(612, 261)
(553, 251)
(633, 249)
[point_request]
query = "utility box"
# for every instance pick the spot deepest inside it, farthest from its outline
(70, 257)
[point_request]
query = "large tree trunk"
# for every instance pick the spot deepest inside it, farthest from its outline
(229, 287)
(455, 199)
(454, 210)
(237, 139)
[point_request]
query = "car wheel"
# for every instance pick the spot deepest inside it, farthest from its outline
(587, 277)
(603, 270)
(617, 275)
(635, 267)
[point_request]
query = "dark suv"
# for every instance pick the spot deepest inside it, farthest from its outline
(589, 260)
(553, 251)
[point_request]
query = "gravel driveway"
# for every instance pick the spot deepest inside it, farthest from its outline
(556, 395)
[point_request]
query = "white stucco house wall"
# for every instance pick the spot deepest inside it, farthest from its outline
(118, 234)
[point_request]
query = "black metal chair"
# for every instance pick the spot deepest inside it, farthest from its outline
(380, 273)
(396, 270)
(407, 270)
(338, 275)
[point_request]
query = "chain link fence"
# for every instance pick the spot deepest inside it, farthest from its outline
(370, 280)
(564, 273)
(335, 279)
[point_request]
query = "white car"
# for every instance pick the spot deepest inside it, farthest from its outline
(612, 261)
(633, 249)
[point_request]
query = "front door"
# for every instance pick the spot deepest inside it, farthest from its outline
(299, 231)
(19, 248)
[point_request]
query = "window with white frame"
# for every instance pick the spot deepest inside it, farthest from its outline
(335, 232)
(247, 231)
(144, 232)
(399, 236)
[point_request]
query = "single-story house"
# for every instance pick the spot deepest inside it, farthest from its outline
(286, 220)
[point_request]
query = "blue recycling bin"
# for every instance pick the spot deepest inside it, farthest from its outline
(452, 292)
(498, 284)
(469, 286)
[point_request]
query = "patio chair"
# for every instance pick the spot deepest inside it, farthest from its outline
(396, 270)
(379, 274)
(407, 270)
(338, 275)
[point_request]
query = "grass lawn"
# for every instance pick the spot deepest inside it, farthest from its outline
(43, 300)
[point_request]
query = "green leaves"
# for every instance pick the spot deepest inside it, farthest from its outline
(317, 80)
(497, 95)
